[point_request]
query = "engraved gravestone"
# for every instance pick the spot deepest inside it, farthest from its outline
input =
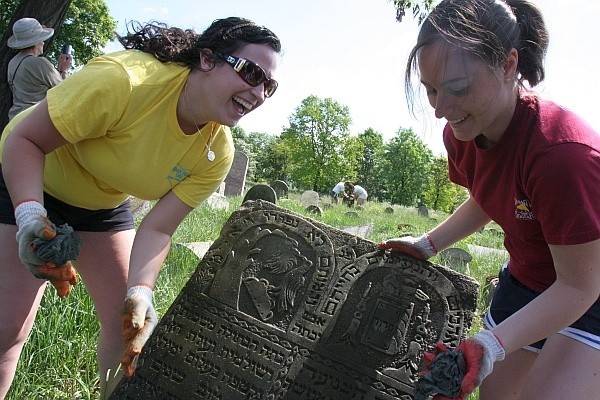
(313, 209)
(281, 189)
(285, 307)
(235, 181)
(456, 258)
(309, 198)
(261, 192)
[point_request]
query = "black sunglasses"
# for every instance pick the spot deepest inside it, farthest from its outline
(250, 72)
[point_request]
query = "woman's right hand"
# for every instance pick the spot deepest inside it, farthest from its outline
(139, 320)
(420, 247)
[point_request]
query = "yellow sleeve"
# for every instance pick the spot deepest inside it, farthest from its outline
(91, 101)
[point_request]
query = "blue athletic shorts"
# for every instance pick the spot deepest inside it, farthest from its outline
(80, 219)
(511, 295)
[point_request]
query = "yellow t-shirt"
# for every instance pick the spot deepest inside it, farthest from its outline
(118, 114)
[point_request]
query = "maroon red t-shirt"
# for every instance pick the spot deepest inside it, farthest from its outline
(540, 183)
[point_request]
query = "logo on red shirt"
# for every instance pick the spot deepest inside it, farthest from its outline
(523, 209)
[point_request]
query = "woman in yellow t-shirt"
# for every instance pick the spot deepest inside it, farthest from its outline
(151, 121)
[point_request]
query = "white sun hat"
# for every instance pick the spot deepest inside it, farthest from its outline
(28, 32)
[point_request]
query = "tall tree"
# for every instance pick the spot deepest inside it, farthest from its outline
(274, 163)
(371, 152)
(260, 143)
(316, 135)
(85, 24)
(441, 194)
(405, 168)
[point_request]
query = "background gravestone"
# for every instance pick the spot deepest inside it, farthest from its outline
(217, 201)
(261, 192)
(284, 307)
(139, 207)
(309, 198)
(314, 210)
(235, 181)
(457, 259)
(281, 189)
(361, 230)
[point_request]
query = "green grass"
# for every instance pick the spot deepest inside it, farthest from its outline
(59, 360)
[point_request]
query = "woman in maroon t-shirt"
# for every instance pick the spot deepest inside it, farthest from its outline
(534, 168)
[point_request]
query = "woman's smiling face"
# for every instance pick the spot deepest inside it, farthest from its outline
(465, 91)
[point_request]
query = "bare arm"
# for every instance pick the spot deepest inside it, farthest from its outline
(24, 151)
(467, 219)
(153, 239)
(576, 288)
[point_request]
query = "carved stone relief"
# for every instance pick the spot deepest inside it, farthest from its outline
(285, 307)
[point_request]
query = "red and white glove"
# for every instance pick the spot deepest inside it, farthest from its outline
(454, 374)
(421, 247)
(139, 320)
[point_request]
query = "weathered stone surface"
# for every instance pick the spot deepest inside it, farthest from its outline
(361, 230)
(217, 201)
(285, 307)
(456, 258)
(281, 189)
(314, 210)
(261, 192)
(309, 198)
(235, 181)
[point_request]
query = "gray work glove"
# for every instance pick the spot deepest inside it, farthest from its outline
(35, 231)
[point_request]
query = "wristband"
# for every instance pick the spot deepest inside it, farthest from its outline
(431, 245)
(27, 210)
(491, 342)
(142, 291)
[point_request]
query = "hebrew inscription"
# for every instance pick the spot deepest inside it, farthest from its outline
(284, 307)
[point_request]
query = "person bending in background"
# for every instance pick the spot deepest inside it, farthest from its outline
(533, 167)
(359, 194)
(337, 192)
(151, 121)
(29, 75)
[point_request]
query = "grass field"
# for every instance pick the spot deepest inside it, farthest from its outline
(59, 360)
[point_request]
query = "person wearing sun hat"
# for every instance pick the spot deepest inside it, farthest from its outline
(29, 75)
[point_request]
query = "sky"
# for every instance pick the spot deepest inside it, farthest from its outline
(354, 52)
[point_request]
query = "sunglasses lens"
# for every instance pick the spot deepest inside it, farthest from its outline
(253, 74)
(270, 87)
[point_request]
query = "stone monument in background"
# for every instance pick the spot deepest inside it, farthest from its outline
(281, 188)
(261, 192)
(235, 181)
(284, 307)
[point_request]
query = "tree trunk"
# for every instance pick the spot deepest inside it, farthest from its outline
(50, 13)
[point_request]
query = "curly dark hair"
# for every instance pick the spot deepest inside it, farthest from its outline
(183, 46)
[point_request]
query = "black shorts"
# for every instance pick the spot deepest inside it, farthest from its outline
(511, 295)
(80, 219)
